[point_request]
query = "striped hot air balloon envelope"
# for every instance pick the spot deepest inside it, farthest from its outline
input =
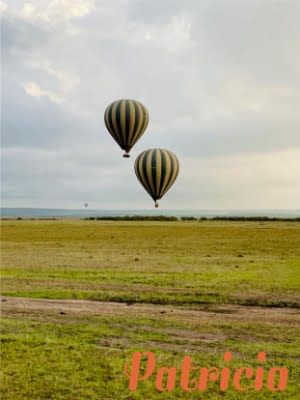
(157, 170)
(126, 121)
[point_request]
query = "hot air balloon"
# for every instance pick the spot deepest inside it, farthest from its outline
(126, 121)
(157, 170)
(86, 205)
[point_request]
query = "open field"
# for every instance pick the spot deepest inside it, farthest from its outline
(166, 263)
(176, 288)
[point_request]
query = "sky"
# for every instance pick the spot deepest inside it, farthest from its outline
(220, 79)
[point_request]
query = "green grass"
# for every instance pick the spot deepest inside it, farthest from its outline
(83, 358)
(49, 356)
(157, 262)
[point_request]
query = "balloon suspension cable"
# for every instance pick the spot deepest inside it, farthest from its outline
(156, 204)
(126, 155)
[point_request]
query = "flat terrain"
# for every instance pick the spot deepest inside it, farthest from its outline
(79, 297)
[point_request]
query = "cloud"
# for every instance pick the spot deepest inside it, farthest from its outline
(56, 11)
(68, 79)
(221, 81)
(258, 181)
(40, 123)
(68, 175)
(173, 37)
(34, 90)
(73, 176)
(3, 7)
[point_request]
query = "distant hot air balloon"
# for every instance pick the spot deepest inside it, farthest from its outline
(85, 205)
(126, 121)
(157, 170)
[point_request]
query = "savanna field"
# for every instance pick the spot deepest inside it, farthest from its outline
(79, 297)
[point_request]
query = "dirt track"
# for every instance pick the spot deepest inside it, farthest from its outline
(13, 306)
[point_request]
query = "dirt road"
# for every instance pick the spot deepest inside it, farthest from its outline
(13, 306)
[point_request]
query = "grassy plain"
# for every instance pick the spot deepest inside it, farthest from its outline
(209, 284)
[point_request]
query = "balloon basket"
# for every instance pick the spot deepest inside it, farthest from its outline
(156, 205)
(126, 155)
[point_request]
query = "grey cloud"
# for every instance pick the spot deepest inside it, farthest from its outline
(21, 34)
(220, 79)
(247, 134)
(70, 177)
(34, 122)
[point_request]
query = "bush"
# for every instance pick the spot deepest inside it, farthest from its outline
(134, 218)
